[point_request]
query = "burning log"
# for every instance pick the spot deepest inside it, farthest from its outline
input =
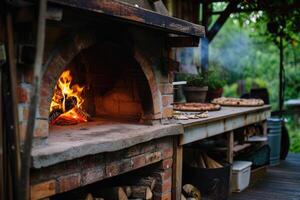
(72, 117)
(65, 108)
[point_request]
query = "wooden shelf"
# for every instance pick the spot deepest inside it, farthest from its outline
(240, 147)
(137, 15)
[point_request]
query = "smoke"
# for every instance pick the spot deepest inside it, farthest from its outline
(231, 51)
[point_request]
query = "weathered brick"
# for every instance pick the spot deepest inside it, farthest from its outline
(165, 143)
(69, 182)
(167, 153)
(92, 175)
(167, 112)
(167, 100)
(166, 88)
(90, 162)
(167, 163)
(165, 196)
(41, 128)
(42, 190)
(133, 151)
(23, 94)
(138, 161)
(148, 147)
(118, 167)
(55, 171)
(163, 186)
(153, 157)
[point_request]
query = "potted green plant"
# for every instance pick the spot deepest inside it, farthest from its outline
(215, 84)
(196, 87)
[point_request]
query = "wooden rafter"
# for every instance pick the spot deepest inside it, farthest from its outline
(128, 13)
(232, 5)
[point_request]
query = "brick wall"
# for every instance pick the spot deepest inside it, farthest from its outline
(73, 174)
(60, 55)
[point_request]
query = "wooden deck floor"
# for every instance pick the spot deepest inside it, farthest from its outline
(281, 183)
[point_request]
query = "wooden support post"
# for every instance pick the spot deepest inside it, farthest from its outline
(265, 128)
(230, 143)
(177, 170)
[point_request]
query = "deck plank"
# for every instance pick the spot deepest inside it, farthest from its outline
(281, 183)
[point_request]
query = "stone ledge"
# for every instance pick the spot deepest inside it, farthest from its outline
(70, 142)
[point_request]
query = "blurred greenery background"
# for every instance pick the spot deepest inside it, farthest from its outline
(245, 51)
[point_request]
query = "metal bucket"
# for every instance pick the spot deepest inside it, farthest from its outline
(274, 139)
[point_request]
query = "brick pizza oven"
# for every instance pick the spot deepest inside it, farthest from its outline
(120, 54)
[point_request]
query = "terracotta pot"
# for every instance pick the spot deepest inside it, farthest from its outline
(212, 94)
(195, 94)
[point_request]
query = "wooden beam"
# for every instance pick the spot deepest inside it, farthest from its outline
(177, 170)
(232, 5)
(182, 41)
(131, 14)
(230, 147)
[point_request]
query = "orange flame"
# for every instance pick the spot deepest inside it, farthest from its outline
(64, 92)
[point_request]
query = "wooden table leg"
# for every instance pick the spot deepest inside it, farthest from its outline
(177, 170)
(230, 143)
(265, 127)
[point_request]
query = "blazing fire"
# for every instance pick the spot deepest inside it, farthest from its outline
(66, 104)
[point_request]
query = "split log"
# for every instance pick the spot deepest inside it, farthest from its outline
(191, 191)
(114, 193)
(89, 196)
(142, 192)
(211, 163)
(201, 162)
(127, 190)
(148, 181)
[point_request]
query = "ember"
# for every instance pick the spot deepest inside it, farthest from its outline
(66, 104)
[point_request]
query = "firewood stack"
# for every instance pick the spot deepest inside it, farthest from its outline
(197, 160)
(140, 188)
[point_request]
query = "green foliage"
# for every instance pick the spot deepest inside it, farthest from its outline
(215, 80)
(196, 80)
(231, 90)
(294, 134)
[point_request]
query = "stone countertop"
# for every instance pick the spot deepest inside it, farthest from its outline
(70, 142)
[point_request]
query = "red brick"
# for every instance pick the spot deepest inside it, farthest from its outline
(148, 147)
(133, 151)
(42, 190)
(163, 186)
(167, 163)
(92, 175)
(69, 182)
(167, 100)
(118, 167)
(165, 196)
(153, 157)
(168, 153)
(167, 174)
(166, 88)
(138, 161)
(91, 162)
(41, 128)
(167, 112)
(23, 94)
(165, 143)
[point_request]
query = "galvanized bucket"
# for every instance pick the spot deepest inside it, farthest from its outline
(274, 139)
